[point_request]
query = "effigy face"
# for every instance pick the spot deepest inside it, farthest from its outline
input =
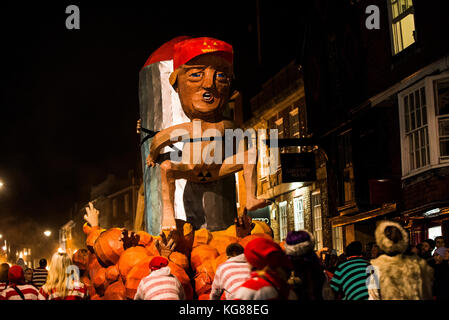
(203, 85)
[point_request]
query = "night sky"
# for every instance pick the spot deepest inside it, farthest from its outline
(69, 98)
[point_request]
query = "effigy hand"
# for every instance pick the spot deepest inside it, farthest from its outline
(150, 161)
(92, 215)
(243, 225)
(166, 245)
(129, 239)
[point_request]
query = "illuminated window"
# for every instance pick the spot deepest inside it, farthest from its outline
(424, 122)
(402, 24)
(441, 87)
(283, 220)
(434, 232)
(299, 213)
(317, 220)
(263, 154)
(337, 239)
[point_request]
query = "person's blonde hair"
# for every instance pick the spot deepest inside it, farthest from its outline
(58, 276)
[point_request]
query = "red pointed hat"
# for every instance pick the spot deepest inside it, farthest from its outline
(186, 50)
(262, 252)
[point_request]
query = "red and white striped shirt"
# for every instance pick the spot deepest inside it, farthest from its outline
(160, 285)
(229, 276)
(79, 292)
(29, 292)
(3, 286)
(264, 288)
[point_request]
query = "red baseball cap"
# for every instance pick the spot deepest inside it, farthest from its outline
(158, 262)
(186, 50)
(261, 252)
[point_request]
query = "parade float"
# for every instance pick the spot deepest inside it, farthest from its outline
(189, 212)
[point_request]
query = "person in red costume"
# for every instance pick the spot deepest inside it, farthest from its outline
(270, 272)
(160, 284)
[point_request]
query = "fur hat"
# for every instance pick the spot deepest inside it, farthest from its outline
(299, 243)
(387, 245)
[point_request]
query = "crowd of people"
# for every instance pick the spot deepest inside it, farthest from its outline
(388, 269)
(59, 282)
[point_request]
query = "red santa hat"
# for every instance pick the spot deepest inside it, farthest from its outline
(16, 275)
(158, 262)
(262, 252)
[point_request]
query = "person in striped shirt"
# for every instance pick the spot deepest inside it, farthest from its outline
(270, 268)
(63, 281)
(40, 274)
(230, 274)
(160, 284)
(17, 289)
(350, 277)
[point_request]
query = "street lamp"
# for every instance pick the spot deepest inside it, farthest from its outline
(47, 233)
(1, 184)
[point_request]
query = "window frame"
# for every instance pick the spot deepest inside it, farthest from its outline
(435, 160)
(283, 221)
(439, 117)
(392, 21)
(318, 240)
(337, 239)
(298, 214)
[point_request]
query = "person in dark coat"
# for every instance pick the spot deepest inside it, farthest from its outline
(308, 274)
(441, 273)
(4, 269)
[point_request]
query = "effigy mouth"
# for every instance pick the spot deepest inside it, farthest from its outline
(208, 97)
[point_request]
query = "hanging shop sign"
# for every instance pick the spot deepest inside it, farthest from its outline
(262, 214)
(298, 167)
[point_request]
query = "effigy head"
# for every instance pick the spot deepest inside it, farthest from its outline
(202, 76)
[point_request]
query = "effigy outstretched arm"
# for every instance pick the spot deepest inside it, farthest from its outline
(167, 137)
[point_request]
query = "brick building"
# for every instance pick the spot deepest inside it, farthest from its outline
(377, 102)
(116, 199)
(295, 205)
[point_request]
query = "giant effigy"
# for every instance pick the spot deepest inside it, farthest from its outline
(189, 178)
(184, 88)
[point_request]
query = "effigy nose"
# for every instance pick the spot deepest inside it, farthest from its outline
(209, 79)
